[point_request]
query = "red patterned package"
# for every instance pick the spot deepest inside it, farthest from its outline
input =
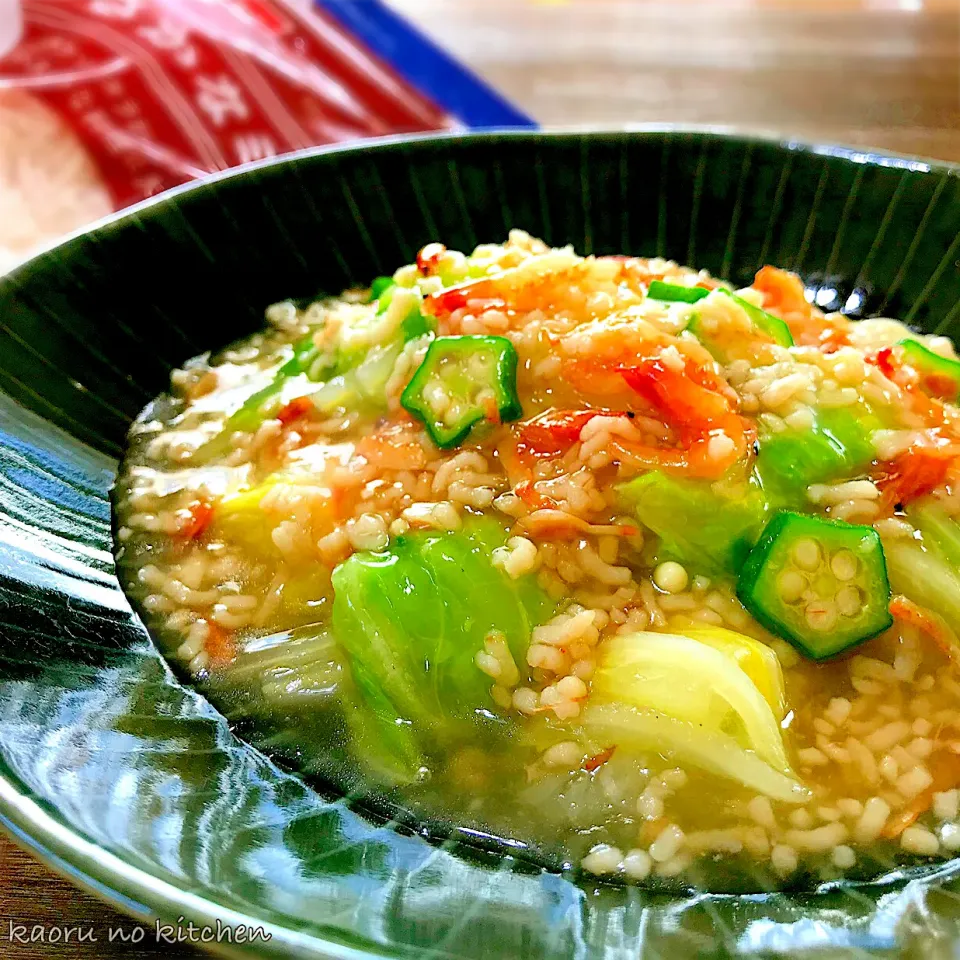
(105, 102)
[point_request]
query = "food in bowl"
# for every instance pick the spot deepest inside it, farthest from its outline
(595, 554)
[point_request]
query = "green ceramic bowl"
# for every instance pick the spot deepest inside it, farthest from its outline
(134, 785)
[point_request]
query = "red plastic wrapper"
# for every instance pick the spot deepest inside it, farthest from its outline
(106, 102)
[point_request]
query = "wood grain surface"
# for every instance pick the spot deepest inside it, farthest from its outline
(36, 903)
(883, 74)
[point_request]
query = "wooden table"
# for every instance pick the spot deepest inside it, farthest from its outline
(883, 74)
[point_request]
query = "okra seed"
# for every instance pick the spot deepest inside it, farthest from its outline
(844, 565)
(437, 398)
(821, 615)
(791, 585)
(806, 554)
(849, 601)
(478, 365)
(456, 412)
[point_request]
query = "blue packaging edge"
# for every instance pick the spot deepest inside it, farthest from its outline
(451, 85)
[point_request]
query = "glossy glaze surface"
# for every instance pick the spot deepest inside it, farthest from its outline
(89, 717)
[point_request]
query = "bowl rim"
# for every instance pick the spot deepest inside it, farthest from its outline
(126, 887)
(133, 890)
(867, 156)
